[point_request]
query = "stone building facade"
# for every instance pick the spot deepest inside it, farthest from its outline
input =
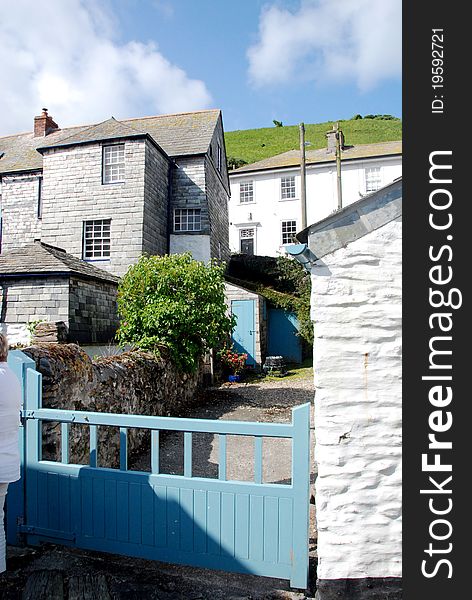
(356, 309)
(109, 193)
(41, 283)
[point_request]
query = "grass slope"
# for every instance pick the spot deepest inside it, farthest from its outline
(255, 144)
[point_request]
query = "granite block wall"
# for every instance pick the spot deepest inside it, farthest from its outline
(92, 311)
(19, 209)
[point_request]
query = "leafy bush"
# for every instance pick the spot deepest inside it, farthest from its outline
(174, 302)
(233, 162)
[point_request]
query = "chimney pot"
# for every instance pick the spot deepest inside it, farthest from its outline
(44, 124)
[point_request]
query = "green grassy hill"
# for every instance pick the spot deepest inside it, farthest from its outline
(251, 145)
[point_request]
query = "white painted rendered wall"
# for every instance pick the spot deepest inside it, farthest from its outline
(356, 309)
(268, 211)
(197, 245)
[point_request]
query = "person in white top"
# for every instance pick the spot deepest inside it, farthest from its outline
(10, 402)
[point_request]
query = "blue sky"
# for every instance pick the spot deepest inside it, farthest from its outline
(257, 60)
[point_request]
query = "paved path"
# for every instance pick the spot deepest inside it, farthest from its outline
(52, 572)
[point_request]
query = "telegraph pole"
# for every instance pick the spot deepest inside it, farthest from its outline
(338, 166)
(303, 174)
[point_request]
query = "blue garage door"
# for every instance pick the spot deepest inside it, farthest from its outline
(282, 338)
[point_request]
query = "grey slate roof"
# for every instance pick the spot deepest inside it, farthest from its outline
(111, 129)
(40, 259)
(180, 134)
(354, 221)
(292, 157)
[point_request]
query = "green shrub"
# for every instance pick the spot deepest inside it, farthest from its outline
(174, 302)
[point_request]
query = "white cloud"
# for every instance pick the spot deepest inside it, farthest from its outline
(328, 40)
(65, 55)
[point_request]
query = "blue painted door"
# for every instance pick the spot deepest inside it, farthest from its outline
(244, 334)
(282, 338)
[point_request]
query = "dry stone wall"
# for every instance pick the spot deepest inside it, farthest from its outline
(129, 383)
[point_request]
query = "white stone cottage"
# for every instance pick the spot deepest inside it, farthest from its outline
(356, 272)
(265, 206)
(110, 192)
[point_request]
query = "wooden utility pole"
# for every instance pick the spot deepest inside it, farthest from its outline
(338, 166)
(303, 174)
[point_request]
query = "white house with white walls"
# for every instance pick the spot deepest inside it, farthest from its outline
(355, 259)
(265, 206)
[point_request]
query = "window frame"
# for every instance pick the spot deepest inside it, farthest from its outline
(378, 178)
(248, 182)
(282, 232)
(105, 148)
(294, 197)
(195, 211)
(102, 238)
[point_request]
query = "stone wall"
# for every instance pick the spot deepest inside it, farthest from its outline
(217, 198)
(156, 201)
(93, 310)
(34, 298)
(73, 192)
(129, 383)
(19, 208)
(356, 309)
(189, 191)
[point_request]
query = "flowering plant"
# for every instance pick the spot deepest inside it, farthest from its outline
(233, 360)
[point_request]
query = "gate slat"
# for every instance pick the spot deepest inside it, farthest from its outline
(186, 520)
(135, 507)
(98, 495)
(285, 531)
(228, 524)
(53, 500)
(271, 529)
(122, 511)
(160, 515)
(123, 448)
(87, 507)
(111, 512)
(155, 451)
(200, 520)
(65, 430)
(256, 528)
(241, 541)
(222, 457)
(93, 445)
(64, 503)
(147, 515)
(173, 518)
(187, 454)
(214, 522)
(258, 459)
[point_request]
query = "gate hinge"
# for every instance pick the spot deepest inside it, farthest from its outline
(26, 414)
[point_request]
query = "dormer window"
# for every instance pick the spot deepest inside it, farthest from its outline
(114, 163)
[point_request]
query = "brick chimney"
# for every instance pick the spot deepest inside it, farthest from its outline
(331, 137)
(44, 124)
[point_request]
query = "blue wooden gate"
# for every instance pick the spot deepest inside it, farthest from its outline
(243, 526)
(244, 334)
